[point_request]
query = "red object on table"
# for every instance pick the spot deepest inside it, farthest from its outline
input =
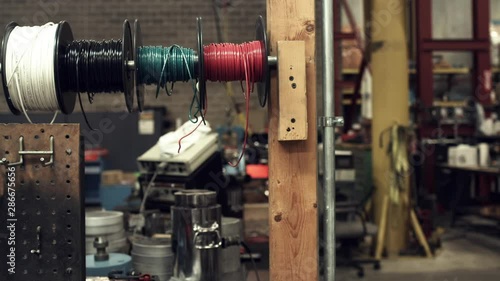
(94, 154)
(258, 171)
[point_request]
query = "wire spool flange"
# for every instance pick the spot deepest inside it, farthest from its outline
(127, 55)
(8, 30)
(202, 82)
(139, 87)
(263, 86)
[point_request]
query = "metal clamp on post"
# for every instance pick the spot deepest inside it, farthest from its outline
(23, 152)
(330, 121)
(214, 242)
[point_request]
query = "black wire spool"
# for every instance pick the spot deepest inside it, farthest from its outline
(263, 86)
(93, 67)
(139, 87)
(65, 97)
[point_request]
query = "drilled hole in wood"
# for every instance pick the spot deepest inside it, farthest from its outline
(68, 166)
(21, 182)
(54, 271)
(293, 120)
(70, 256)
(42, 130)
(6, 137)
(7, 152)
(68, 197)
(288, 129)
(68, 181)
(294, 85)
(69, 241)
(38, 197)
(37, 137)
(67, 136)
(37, 182)
(68, 226)
(68, 212)
(52, 182)
(291, 78)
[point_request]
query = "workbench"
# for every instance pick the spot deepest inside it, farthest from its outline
(461, 177)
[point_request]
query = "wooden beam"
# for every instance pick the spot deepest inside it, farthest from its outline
(293, 219)
(420, 234)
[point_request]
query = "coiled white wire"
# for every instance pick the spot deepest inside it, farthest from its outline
(29, 68)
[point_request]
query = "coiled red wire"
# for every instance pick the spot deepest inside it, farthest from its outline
(226, 62)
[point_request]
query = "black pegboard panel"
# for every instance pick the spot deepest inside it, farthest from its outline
(47, 217)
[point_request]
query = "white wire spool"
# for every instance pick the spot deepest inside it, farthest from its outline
(31, 69)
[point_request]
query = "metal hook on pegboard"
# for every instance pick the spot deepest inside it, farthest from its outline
(23, 152)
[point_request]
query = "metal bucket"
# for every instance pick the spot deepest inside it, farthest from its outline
(230, 257)
(196, 237)
(153, 256)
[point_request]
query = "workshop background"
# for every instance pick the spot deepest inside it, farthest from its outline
(417, 161)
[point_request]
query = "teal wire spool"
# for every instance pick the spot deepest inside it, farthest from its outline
(157, 65)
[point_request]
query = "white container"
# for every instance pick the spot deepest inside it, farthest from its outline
(484, 154)
(466, 156)
(452, 155)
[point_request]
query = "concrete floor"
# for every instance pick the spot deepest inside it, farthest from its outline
(460, 259)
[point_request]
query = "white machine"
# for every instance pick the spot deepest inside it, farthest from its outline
(182, 164)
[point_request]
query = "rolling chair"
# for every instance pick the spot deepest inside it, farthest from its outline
(350, 229)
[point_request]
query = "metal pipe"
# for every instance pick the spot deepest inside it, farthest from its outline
(328, 186)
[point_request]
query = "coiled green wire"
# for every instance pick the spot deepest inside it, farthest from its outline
(159, 65)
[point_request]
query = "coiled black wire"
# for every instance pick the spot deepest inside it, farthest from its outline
(94, 66)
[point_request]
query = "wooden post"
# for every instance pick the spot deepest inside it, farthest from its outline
(293, 164)
(389, 65)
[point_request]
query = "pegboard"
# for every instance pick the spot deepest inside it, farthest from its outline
(42, 231)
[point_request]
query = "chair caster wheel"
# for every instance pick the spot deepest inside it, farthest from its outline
(361, 273)
(377, 266)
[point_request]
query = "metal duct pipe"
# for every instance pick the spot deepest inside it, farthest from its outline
(328, 123)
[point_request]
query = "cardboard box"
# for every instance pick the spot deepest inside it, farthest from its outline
(256, 219)
(111, 177)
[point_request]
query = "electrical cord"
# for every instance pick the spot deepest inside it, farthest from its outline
(247, 249)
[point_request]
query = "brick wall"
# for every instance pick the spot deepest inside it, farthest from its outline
(163, 23)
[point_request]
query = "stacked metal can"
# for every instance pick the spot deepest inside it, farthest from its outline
(108, 225)
(230, 265)
(153, 256)
(196, 237)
